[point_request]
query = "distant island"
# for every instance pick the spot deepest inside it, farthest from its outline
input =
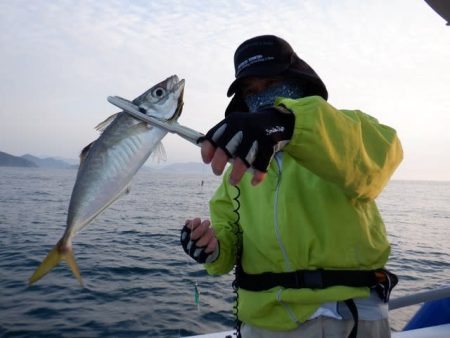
(8, 160)
(31, 161)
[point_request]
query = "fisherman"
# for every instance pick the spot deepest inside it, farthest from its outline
(301, 227)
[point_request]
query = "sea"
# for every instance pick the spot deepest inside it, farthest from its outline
(137, 280)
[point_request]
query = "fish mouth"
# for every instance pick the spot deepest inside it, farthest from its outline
(178, 90)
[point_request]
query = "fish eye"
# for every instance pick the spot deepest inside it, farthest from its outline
(159, 92)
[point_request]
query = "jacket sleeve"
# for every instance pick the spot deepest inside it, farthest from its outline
(224, 219)
(346, 147)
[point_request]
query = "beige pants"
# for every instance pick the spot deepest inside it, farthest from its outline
(324, 327)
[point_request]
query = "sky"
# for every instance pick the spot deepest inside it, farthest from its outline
(61, 59)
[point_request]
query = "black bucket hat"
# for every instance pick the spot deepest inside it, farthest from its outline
(269, 55)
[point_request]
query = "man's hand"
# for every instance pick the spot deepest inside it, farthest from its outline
(248, 140)
(219, 158)
(199, 241)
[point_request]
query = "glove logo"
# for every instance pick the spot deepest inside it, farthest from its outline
(273, 130)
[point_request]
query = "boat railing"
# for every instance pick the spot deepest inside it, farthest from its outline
(420, 297)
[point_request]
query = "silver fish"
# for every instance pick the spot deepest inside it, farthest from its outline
(109, 163)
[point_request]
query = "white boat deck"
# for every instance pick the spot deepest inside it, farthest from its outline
(440, 331)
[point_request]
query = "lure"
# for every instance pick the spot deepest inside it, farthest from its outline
(196, 296)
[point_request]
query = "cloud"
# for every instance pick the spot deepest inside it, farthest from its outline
(63, 58)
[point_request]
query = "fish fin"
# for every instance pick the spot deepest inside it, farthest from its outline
(159, 153)
(125, 191)
(100, 127)
(70, 258)
(85, 152)
(104, 124)
(54, 257)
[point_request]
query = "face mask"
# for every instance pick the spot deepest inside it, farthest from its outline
(266, 98)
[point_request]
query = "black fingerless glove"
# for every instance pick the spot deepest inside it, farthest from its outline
(253, 137)
(196, 252)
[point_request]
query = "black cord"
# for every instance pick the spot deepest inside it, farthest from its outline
(237, 265)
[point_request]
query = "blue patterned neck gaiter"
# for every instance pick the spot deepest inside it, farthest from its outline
(266, 98)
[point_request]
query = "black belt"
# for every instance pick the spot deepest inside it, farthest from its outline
(311, 279)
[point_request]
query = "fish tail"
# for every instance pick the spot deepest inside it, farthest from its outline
(70, 258)
(54, 257)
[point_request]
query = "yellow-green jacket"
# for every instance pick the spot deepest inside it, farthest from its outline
(315, 209)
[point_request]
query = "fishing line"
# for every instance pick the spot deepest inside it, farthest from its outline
(195, 283)
(237, 265)
(203, 177)
(196, 296)
(196, 290)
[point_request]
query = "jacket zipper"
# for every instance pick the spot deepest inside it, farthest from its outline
(287, 263)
